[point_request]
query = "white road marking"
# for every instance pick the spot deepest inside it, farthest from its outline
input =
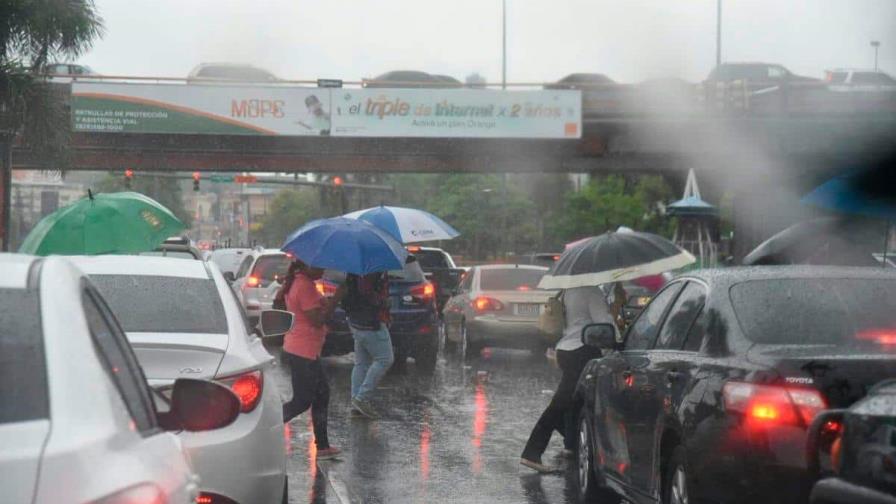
(335, 480)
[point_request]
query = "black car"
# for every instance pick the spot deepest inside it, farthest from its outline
(440, 270)
(861, 445)
(712, 389)
(415, 321)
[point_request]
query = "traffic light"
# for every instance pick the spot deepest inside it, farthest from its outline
(337, 181)
(128, 178)
(196, 177)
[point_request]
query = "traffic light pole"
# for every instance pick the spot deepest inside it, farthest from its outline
(5, 189)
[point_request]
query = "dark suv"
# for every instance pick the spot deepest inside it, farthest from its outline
(414, 327)
(710, 394)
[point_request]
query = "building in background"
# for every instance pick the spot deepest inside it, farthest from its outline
(36, 194)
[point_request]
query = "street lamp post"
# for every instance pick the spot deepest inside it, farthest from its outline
(875, 44)
(718, 32)
(503, 44)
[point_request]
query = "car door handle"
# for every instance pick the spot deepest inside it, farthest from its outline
(672, 376)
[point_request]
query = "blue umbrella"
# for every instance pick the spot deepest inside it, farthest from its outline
(867, 192)
(407, 225)
(348, 245)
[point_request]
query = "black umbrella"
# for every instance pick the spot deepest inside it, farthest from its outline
(829, 241)
(614, 257)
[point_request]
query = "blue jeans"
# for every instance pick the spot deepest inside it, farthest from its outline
(373, 357)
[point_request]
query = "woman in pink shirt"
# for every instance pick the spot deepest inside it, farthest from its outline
(302, 346)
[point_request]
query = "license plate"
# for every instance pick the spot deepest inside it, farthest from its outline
(529, 309)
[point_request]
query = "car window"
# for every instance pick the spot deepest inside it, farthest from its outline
(120, 361)
(643, 331)
(817, 311)
(411, 273)
(466, 284)
(189, 305)
(685, 309)
(432, 259)
(694, 341)
(270, 267)
(776, 72)
(507, 279)
(868, 79)
(23, 368)
(244, 267)
(837, 77)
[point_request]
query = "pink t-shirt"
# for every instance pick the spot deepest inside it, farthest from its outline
(304, 338)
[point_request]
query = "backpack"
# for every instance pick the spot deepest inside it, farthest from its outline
(552, 319)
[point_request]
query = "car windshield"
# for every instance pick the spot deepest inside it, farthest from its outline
(817, 311)
(270, 267)
(23, 369)
(432, 259)
(189, 305)
(508, 279)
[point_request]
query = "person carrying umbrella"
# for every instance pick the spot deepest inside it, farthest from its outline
(586, 264)
(366, 253)
(302, 346)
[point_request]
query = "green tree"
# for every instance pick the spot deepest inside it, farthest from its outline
(165, 190)
(290, 209)
(606, 203)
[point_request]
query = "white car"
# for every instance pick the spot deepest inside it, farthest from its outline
(849, 80)
(78, 422)
(184, 321)
(256, 279)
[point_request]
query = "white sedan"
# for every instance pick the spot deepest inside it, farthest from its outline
(78, 422)
(183, 320)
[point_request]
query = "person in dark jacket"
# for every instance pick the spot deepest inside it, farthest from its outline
(366, 305)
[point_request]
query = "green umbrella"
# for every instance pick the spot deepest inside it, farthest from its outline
(113, 223)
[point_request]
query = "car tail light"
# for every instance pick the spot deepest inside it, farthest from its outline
(210, 498)
(424, 291)
(247, 387)
(772, 404)
(486, 304)
(253, 281)
(885, 337)
(144, 493)
(325, 288)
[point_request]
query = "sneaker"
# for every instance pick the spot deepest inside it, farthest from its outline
(328, 453)
(538, 466)
(364, 407)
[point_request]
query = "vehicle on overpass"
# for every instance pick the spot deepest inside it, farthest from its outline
(712, 389)
(189, 324)
(411, 79)
(861, 445)
(600, 94)
(847, 80)
(496, 305)
(415, 319)
(204, 73)
(78, 422)
(756, 72)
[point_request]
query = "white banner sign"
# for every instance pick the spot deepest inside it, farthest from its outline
(457, 113)
(200, 109)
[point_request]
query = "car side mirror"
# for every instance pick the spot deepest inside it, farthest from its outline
(275, 323)
(602, 336)
(229, 276)
(200, 405)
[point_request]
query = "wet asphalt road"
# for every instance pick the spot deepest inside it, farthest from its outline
(454, 437)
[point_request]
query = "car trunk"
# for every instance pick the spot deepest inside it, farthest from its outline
(519, 305)
(843, 374)
(166, 357)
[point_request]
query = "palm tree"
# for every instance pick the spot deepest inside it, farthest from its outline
(32, 113)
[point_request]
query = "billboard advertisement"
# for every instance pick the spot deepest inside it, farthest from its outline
(456, 113)
(116, 107)
(199, 109)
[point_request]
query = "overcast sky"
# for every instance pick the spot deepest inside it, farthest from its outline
(629, 40)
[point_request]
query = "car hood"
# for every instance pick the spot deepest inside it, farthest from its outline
(166, 357)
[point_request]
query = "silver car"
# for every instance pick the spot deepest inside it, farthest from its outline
(256, 280)
(184, 321)
(496, 305)
(78, 422)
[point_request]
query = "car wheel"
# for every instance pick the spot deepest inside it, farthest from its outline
(285, 491)
(468, 349)
(675, 479)
(587, 486)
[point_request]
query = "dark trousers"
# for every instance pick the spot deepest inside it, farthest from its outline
(560, 415)
(309, 389)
